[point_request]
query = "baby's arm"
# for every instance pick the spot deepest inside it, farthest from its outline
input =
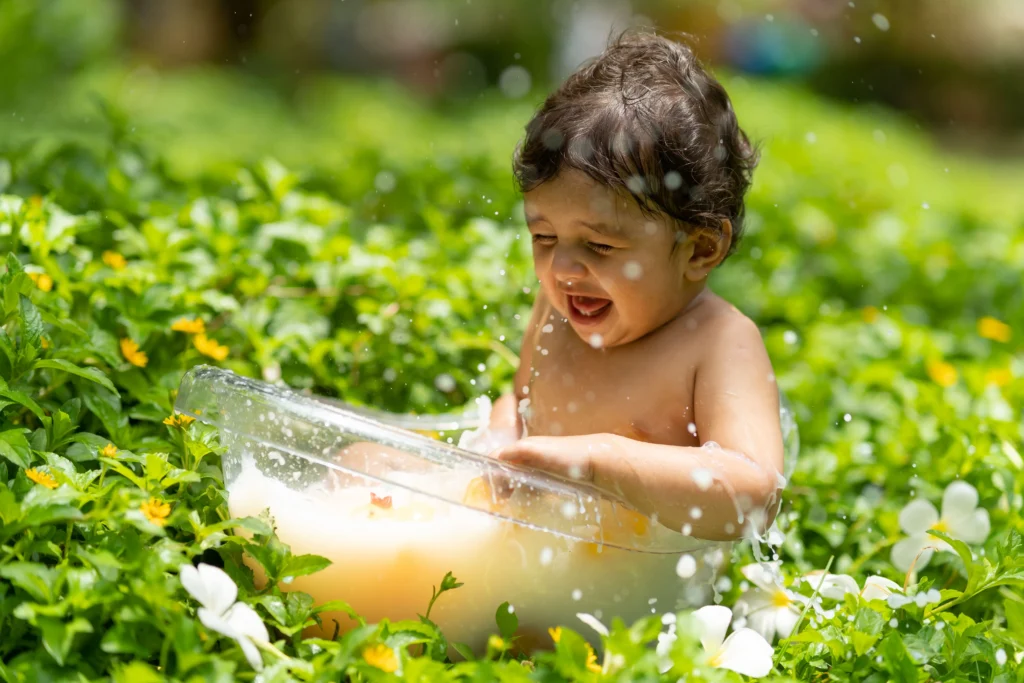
(713, 493)
(505, 415)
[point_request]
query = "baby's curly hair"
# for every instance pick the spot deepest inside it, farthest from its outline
(647, 118)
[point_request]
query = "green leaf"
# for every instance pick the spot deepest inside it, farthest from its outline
(15, 447)
(59, 636)
(301, 565)
(35, 579)
(91, 374)
(23, 399)
(10, 510)
(507, 621)
(31, 323)
(896, 656)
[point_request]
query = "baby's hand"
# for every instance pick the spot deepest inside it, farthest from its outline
(567, 456)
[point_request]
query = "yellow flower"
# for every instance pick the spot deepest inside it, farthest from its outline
(382, 657)
(993, 329)
(44, 342)
(942, 373)
(555, 633)
(209, 347)
(178, 420)
(114, 260)
(189, 326)
(41, 478)
(110, 450)
(592, 665)
(131, 353)
(156, 511)
(869, 314)
(495, 642)
(999, 377)
(42, 280)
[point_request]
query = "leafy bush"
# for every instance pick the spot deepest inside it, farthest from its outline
(888, 292)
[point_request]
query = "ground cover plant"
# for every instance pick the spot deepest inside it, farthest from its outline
(888, 291)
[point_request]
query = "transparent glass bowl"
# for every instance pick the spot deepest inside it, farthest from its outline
(394, 511)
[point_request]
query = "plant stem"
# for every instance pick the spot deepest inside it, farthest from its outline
(810, 602)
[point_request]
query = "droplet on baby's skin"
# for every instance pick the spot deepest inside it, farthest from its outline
(711, 445)
(880, 21)
(696, 512)
(686, 567)
(575, 471)
(546, 556)
(547, 328)
(702, 478)
(692, 428)
(596, 340)
(632, 270)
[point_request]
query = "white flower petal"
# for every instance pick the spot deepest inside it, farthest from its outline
(251, 652)
(905, 550)
(958, 501)
(244, 620)
(879, 588)
(918, 516)
(764, 575)
(210, 586)
(974, 528)
(217, 622)
(832, 586)
(713, 621)
(785, 621)
(751, 601)
(763, 621)
(591, 621)
(746, 652)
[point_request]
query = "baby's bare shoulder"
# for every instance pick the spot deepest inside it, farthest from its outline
(719, 329)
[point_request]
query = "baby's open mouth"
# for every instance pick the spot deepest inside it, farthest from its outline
(588, 310)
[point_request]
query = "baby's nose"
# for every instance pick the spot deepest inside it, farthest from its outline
(566, 268)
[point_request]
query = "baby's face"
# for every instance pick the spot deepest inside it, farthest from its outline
(603, 264)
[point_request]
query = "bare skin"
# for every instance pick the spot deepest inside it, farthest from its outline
(625, 397)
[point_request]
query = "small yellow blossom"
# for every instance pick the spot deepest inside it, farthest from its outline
(156, 511)
(555, 633)
(41, 478)
(178, 420)
(189, 325)
(210, 347)
(110, 450)
(131, 353)
(869, 314)
(942, 373)
(592, 665)
(496, 642)
(999, 377)
(382, 657)
(44, 342)
(42, 280)
(114, 260)
(993, 329)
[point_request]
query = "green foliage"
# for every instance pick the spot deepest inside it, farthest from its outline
(869, 304)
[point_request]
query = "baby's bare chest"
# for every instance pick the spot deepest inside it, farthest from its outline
(643, 391)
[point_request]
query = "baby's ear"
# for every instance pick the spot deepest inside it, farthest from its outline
(709, 249)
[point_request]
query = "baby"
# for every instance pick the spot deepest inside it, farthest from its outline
(634, 376)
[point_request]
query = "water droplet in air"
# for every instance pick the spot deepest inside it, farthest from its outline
(696, 512)
(384, 182)
(596, 340)
(546, 555)
(811, 137)
(686, 567)
(481, 367)
(673, 181)
(894, 622)
(880, 21)
(445, 382)
(1001, 657)
(789, 336)
(687, 529)
(577, 594)
(702, 478)
(847, 417)
(568, 509)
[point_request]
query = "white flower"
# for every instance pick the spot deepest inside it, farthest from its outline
(835, 586)
(769, 608)
(879, 588)
(744, 651)
(961, 519)
(216, 592)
